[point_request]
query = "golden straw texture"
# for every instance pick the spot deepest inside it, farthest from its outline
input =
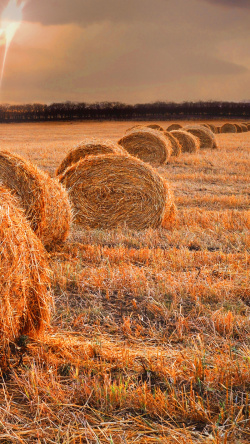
(175, 145)
(25, 298)
(174, 126)
(188, 142)
(228, 128)
(244, 128)
(238, 127)
(113, 191)
(205, 136)
(155, 126)
(148, 145)
(89, 147)
(43, 199)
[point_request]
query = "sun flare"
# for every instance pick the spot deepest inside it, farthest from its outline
(10, 22)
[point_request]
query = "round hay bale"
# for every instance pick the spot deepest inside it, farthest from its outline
(93, 147)
(112, 191)
(174, 126)
(228, 128)
(155, 126)
(188, 142)
(25, 297)
(212, 127)
(148, 145)
(244, 128)
(44, 200)
(205, 136)
(175, 145)
(238, 127)
(248, 126)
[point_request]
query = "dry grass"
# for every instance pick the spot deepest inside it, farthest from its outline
(43, 199)
(24, 277)
(151, 329)
(89, 147)
(109, 191)
(148, 145)
(189, 143)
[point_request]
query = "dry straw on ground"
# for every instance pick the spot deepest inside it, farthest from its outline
(25, 298)
(228, 128)
(89, 147)
(174, 126)
(43, 199)
(175, 145)
(205, 136)
(111, 191)
(148, 145)
(188, 142)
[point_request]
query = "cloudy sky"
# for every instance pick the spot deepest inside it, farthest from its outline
(129, 50)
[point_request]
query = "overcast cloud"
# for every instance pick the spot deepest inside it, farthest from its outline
(130, 50)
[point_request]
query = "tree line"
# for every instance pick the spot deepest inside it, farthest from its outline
(70, 111)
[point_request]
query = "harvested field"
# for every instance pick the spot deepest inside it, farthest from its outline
(150, 339)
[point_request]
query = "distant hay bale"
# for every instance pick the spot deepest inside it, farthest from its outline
(175, 145)
(212, 127)
(238, 127)
(155, 126)
(244, 128)
(205, 136)
(188, 142)
(44, 200)
(25, 297)
(113, 191)
(89, 147)
(248, 126)
(228, 128)
(174, 126)
(148, 145)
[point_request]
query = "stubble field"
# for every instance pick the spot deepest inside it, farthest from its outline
(150, 335)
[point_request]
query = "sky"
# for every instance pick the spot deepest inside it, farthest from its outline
(133, 51)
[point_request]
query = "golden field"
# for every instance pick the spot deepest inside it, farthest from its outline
(150, 335)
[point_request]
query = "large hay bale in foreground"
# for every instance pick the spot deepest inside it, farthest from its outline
(25, 297)
(174, 126)
(44, 200)
(228, 128)
(188, 142)
(205, 136)
(148, 145)
(112, 191)
(93, 147)
(175, 145)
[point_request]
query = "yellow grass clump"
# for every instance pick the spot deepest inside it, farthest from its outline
(110, 191)
(175, 145)
(205, 136)
(43, 199)
(174, 126)
(188, 142)
(148, 145)
(25, 297)
(228, 128)
(93, 147)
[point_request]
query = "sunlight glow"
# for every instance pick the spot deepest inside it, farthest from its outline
(10, 22)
